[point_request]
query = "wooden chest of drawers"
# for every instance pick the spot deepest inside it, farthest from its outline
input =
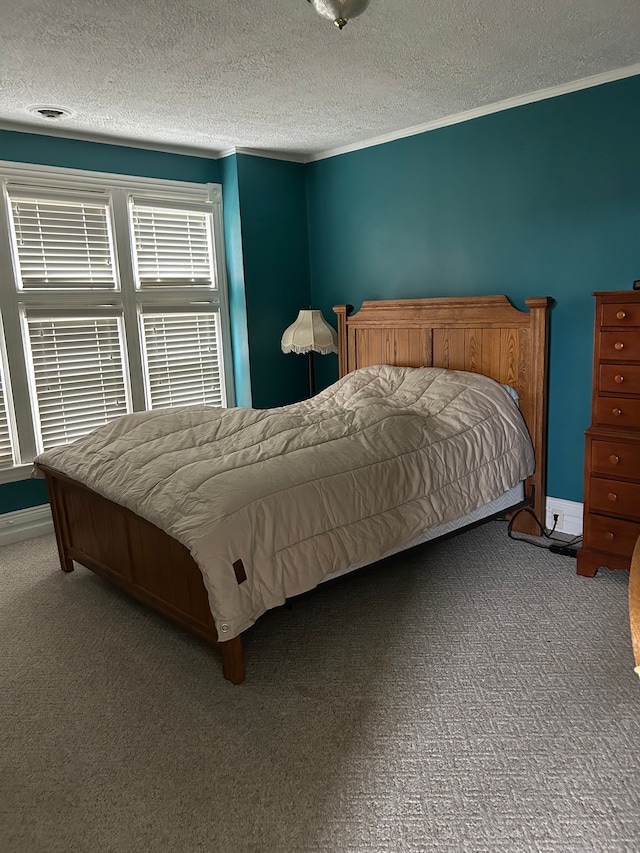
(612, 457)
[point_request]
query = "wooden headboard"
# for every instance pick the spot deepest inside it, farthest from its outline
(481, 334)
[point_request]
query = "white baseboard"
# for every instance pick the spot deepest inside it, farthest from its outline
(572, 512)
(25, 524)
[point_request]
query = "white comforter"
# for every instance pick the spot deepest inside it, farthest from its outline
(303, 491)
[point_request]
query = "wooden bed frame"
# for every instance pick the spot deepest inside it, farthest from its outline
(480, 334)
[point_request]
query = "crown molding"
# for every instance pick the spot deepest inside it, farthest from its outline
(287, 156)
(478, 112)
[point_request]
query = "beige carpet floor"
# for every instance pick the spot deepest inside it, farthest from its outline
(469, 695)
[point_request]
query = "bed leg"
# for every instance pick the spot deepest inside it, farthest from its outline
(65, 563)
(232, 660)
(57, 513)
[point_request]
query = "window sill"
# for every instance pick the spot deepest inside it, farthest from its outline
(16, 473)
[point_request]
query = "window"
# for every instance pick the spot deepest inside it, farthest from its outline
(182, 359)
(172, 246)
(61, 242)
(78, 375)
(112, 300)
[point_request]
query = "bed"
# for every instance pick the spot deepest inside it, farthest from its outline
(482, 336)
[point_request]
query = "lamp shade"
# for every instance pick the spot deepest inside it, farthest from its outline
(310, 332)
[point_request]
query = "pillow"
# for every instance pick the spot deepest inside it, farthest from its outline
(512, 392)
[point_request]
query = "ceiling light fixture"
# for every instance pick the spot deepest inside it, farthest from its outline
(49, 112)
(339, 11)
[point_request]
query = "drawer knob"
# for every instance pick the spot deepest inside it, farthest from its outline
(617, 412)
(612, 497)
(619, 378)
(618, 345)
(614, 459)
(609, 535)
(621, 315)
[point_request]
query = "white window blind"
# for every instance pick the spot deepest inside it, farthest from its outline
(62, 243)
(172, 246)
(78, 375)
(6, 454)
(182, 357)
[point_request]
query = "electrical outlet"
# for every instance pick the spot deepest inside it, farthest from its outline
(560, 514)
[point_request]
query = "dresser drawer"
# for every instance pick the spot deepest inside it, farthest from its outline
(614, 497)
(619, 378)
(616, 459)
(620, 346)
(611, 534)
(621, 412)
(621, 314)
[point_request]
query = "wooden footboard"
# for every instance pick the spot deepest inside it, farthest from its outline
(137, 556)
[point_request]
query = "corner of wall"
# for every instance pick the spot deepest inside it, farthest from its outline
(235, 279)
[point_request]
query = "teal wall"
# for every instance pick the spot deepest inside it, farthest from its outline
(99, 157)
(21, 495)
(275, 245)
(539, 200)
(267, 249)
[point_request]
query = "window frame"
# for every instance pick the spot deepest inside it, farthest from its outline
(122, 191)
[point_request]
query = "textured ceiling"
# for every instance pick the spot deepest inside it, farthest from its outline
(272, 75)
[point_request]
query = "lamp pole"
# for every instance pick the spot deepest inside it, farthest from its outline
(312, 378)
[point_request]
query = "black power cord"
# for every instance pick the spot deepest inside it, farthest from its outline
(563, 547)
